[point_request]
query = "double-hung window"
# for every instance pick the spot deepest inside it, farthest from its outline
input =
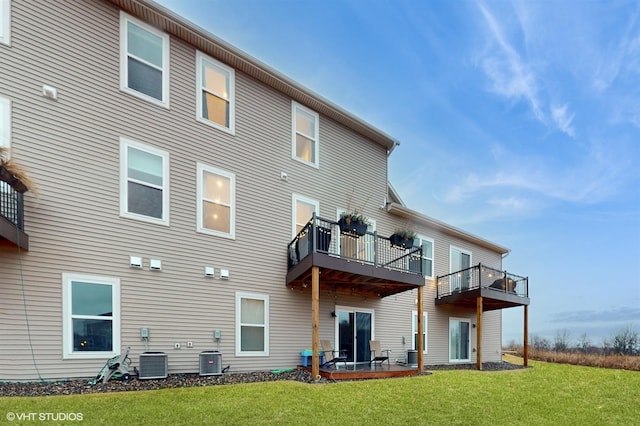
(303, 210)
(5, 122)
(305, 135)
(414, 330)
(5, 22)
(252, 324)
(216, 201)
(91, 316)
(144, 60)
(144, 182)
(215, 97)
(427, 254)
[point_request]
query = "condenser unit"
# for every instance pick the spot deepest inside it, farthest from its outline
(210, 363)
(153, 365)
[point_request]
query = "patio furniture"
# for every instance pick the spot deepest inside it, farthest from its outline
(377, 353)
(331, 355)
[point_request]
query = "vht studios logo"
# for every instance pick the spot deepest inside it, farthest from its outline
(51, 417)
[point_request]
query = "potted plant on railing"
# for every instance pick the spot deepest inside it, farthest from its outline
(403, 238)
(13, 174)
(353, 223)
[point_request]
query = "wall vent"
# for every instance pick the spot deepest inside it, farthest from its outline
(153, 365)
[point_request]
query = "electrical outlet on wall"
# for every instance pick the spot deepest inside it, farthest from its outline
(189, 344)
(176, 346)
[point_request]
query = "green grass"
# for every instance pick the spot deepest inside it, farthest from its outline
(546, 394)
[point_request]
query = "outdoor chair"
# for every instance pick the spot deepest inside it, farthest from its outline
(332, 356)
(378, 354)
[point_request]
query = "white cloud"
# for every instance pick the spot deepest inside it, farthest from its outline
(563, 120)
(514, 77)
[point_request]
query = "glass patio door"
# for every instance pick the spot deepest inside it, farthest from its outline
(458, 340)
(460, 261)
(354, 333)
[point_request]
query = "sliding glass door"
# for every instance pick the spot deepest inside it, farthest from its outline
(458, 339)
(354, 332)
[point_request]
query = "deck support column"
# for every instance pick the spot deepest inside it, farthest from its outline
(315, 319)
(525, 342)
(420, 342)
(479, 333)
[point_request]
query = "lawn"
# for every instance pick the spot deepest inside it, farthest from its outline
(545, 394)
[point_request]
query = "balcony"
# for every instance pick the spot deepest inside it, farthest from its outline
(12, 233)
(367, 265)
(498, 289)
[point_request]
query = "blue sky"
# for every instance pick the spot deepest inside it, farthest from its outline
(518, 121)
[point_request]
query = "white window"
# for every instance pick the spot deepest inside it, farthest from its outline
(144, 182)
(216, 201)
(303, 209)
(459, 336)
(460, 261)
(305, 139)
(427, 254)
(144, 60)
(414, 330)
(5, 122)
(5, 22)
(215, 98)
(91, 316)
(252, 324)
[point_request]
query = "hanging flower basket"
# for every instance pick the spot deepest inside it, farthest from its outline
(353, 223)
(403, 239)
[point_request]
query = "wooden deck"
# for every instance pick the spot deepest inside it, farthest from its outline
(365, 371)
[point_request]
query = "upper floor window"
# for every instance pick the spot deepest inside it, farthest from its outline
(216, 97)
(91, 316)
(303, 209)
(427, 254)
(305, 135)
(144, 60)
(216, 201)
(252, 324)
(460, 261)
(5, 22)
(144, 182)
(5, 122)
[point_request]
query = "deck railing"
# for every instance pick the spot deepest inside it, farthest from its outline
(481, 276)
(12, 205)
(324, 236)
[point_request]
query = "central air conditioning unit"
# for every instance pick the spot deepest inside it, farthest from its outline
(153, 365)
(210, 363)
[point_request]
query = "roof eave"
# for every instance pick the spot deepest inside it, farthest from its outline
(173, 24)
(407, 213)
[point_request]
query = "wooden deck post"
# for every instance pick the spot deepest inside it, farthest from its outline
(526, 336)
(479, 333)
(315, 315)
(420, 343)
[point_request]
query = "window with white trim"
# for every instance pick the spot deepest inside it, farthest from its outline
(427, 254)
(460, 262)
(5, 122)
(216, 93)
(305, 134)
(303, 209)
(144, 60)
(91, 316)
(414, 330)
(216, 201)
(144, 182)
(5, 22)
(252, 324)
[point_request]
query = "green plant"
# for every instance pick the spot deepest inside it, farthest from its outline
(406, 234)
(354, 216)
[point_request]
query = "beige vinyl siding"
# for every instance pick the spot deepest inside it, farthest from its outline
(71, 149)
